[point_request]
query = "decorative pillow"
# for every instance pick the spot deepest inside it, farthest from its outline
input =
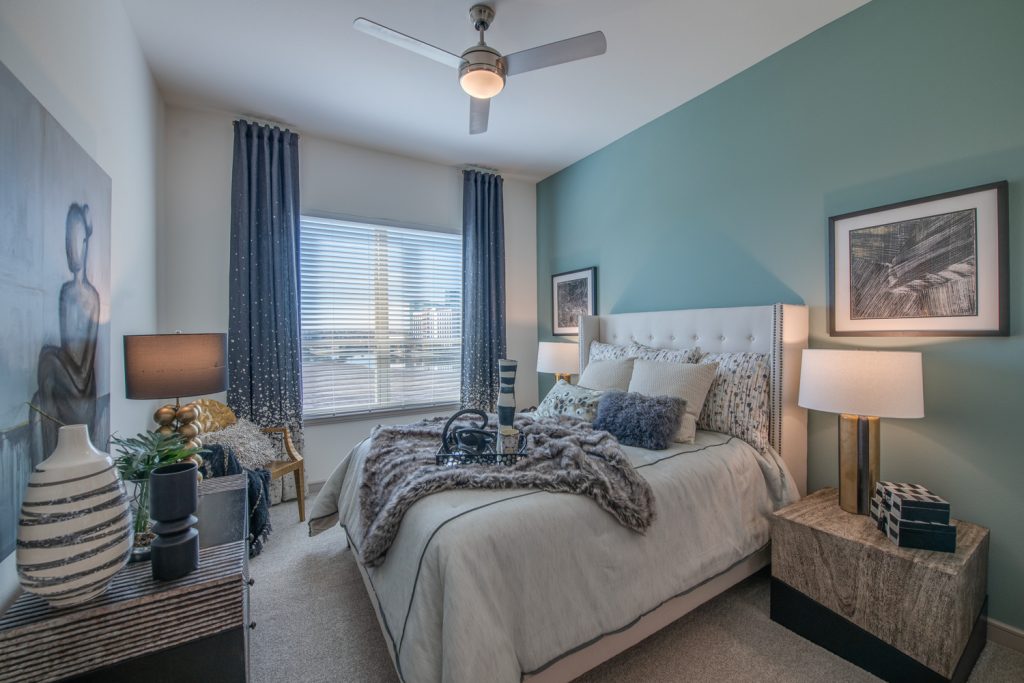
(638, 420)
(638, 350)
(252, 447)
(571, 400)
(602, 351)
(687, 381)
(607, 375)
(740, 397)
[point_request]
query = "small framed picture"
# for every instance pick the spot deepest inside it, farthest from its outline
(572, 295)
(931, 267)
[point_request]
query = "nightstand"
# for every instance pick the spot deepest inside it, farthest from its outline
(899, 613)
(195, 628)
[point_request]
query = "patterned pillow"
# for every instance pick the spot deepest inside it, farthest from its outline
(602, 351)
(568, 399)
(739, 401)
(643, 352)
(606, 375)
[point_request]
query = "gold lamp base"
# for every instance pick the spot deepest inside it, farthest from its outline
(563, 375)
(858, 462)
(183, 419)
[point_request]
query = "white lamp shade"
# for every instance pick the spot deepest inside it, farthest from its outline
(557, 357)
(868, 383)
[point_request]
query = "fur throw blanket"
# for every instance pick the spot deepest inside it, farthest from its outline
(565, 456)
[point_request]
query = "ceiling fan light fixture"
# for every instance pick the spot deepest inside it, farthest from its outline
(481, 81)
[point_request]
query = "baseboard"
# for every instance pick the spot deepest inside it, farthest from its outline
(313, 487)
(1006, 635)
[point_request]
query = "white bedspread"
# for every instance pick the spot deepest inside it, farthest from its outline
(489, 585)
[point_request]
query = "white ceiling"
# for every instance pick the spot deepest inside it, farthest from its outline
(301, 62)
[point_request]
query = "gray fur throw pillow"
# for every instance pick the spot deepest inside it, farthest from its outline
(637, 420)
(251, 446)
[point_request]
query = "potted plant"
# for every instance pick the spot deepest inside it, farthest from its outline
(137, 457)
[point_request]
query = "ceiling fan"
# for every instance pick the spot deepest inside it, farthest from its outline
(482, 69)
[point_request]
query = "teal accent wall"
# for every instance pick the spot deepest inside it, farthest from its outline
(724, 202)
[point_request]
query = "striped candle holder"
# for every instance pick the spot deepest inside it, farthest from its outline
(507, 392)
(75, 528)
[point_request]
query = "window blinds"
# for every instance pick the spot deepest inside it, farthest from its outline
(381, 317)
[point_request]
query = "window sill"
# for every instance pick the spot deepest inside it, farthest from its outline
(370, 415)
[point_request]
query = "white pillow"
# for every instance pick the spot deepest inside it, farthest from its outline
(687, 381)
(570, 400)
(607, 375)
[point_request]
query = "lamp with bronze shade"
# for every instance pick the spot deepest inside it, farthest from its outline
(861, 386)
(563, 360)
(163, 366)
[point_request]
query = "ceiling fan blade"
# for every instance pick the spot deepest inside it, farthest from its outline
(372, 28)
(568, 50)
(478, 112)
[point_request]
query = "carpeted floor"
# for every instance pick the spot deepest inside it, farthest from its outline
(315, 623)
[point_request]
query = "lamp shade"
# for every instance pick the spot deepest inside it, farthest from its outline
(174, 365)
(558, 358)
(868, 383)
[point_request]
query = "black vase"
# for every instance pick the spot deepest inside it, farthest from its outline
(173, 499)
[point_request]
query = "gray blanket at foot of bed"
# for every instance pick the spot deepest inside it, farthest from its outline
(565, 456)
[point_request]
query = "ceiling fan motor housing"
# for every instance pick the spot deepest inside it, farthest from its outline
(483, 58)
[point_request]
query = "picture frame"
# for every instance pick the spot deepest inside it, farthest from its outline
(937, 266)
(573, 293)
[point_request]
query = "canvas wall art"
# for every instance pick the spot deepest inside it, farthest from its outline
(934, 266)
(54, 292)
(572, 295)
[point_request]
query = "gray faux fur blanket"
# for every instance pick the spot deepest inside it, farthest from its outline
(566, 456)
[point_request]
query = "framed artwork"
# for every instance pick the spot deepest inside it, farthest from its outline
(54, 292)
(931, 267)
(572, 295)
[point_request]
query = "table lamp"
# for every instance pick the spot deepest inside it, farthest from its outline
(862, 386)
(172, 366)
(561, 359)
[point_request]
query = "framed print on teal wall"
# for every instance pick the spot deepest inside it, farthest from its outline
(936, 266)
(573, 294)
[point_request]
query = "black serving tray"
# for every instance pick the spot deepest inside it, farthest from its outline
(460, 459)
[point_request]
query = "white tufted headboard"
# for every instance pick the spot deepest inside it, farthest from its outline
(779, 330)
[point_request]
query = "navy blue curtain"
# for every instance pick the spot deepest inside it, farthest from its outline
(264, 356)
(483, 288)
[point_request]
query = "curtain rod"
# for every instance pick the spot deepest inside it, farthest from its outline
(267, 122)
(482, 169)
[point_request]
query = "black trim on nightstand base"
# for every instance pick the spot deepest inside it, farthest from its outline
(822, 626)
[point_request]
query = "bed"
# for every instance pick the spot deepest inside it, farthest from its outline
(505, 585)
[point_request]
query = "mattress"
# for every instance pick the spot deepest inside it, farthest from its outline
(491, 585)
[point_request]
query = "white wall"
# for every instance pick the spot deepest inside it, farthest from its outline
(335, 179)
(83, 63)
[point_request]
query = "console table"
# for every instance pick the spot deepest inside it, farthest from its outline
(191, 629)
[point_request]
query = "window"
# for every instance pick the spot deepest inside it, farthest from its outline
(381, 317)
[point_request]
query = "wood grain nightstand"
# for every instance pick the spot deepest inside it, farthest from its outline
(191, 629)
(901, 614)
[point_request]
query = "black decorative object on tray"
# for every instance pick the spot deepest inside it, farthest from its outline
(173, 500)
(913, 517)
(476, 444)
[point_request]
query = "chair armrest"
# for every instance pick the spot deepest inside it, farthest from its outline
(289, 447)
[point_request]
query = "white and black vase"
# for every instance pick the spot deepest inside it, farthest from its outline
(507, 392)
(75, 529)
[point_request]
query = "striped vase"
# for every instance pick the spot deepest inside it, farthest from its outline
(75, 529)
(507, 392)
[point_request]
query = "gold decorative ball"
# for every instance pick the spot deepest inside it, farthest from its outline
(197, 459)
(164, 415)
(193, 443)
(188, 430)
(166, 430)
(187, 413)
